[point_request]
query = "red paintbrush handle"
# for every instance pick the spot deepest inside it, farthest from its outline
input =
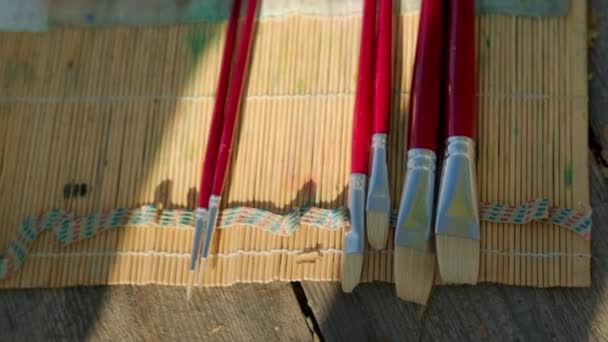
(461, 69)
(382, 98)
(363, 101)
(234, 99)
(426, 83)
(217, 119)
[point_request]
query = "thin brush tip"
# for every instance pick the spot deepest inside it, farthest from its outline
(414, 273)
(377, 228)
(458, 259)
(201, 271)
(352, 264)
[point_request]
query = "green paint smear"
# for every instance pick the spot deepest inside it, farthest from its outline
(190, 152)
(300, 86)
(568, 175)
(516, 132)
(197, 41)
(15, 71)
(10, 76)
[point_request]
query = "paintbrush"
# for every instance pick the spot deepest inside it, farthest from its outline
(378, 197)
(213, 139)
(457, 221)
(354, 239)
(231, 117)
(414, 266)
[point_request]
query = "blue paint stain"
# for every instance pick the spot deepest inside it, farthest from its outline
(90, 18)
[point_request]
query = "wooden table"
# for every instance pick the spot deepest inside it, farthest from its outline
(305, 311)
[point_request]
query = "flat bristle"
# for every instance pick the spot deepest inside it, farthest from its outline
(352, 264)
(458, 259)
(414, 273)
(189, 288)
(377, 228)
(201, 272)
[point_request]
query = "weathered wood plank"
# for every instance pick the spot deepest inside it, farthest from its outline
(153, 313)
(597, 182)
(598, 69)
(498, 312)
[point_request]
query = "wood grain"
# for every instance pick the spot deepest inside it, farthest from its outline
(154, 313)
(598, 73)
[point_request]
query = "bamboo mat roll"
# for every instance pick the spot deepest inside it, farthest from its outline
(125, 112)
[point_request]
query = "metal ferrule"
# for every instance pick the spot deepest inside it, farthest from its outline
(378, 198)
(415, 218)
(214, 206)
(354, 239)
(200, 222)
(457, 207)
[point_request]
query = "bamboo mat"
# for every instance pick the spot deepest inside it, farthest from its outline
(125, 111)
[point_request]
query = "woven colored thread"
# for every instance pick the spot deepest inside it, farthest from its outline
(533, 210)
(69, 229)
(539, 210)
(578, 221)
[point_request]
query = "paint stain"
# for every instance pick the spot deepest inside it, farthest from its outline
(197, 41)
(89, 18)
(190, 152)
(568, 175)
(516, 132)
(300, 86)
(17, 71)
(9, 76)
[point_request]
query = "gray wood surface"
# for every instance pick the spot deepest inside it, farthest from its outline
(153, 313)
(468, 313)
(598, 70)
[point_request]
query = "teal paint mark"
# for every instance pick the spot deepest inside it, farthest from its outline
(515, 128)
(197, 41)
(199, 11)
(568, 175)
